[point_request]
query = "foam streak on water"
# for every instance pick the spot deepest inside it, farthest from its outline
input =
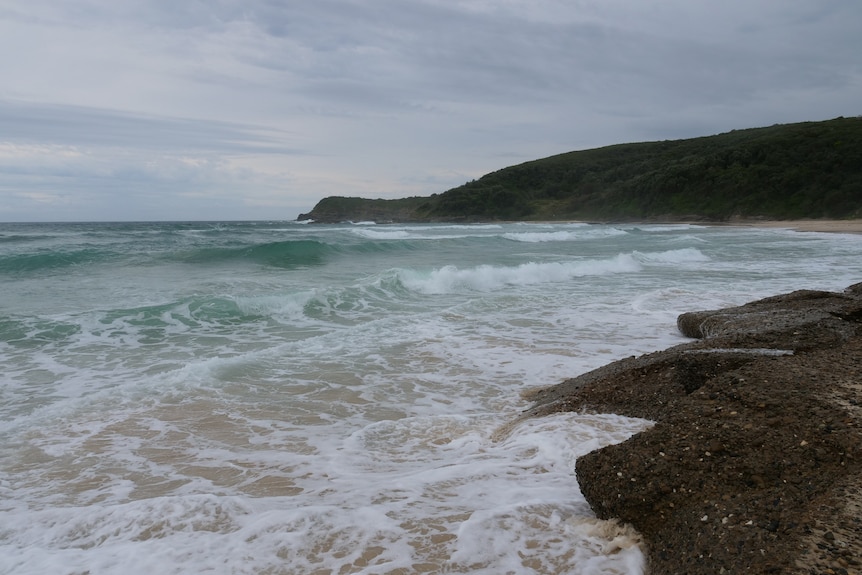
(277, 398)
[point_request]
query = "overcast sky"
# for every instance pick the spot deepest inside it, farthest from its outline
(256, 109)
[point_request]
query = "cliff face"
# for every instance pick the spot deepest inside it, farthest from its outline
(755, 462)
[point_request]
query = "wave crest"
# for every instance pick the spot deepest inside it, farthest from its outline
(450, 279)
(582, 233)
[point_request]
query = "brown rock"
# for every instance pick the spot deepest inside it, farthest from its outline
(761, 428)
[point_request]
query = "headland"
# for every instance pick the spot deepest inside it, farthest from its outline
(781, 172)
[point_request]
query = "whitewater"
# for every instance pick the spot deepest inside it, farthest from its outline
(286, 398)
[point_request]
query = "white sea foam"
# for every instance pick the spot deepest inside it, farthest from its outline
(472, 228)
(424, 232)
(447, 498)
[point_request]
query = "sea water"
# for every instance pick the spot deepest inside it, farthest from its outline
(271, 397)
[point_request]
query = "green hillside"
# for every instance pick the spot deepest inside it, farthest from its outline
(791, 171)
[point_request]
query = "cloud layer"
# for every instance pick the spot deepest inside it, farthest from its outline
(257, 109)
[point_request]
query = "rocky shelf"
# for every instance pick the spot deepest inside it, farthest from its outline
(754, 464)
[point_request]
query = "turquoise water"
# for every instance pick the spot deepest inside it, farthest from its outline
(284, 398)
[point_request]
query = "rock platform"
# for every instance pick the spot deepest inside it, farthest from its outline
(754, 464)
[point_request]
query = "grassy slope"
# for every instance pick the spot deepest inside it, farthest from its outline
(806, 170)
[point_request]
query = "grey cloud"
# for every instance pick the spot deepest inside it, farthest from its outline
(77, 125)
(369, 96)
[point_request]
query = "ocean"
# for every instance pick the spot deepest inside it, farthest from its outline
(285, 398)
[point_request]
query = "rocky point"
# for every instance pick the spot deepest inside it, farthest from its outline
(754, 464)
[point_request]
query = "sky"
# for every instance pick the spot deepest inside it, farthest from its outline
(143, 110)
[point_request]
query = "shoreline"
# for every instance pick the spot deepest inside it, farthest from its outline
(810, 225)
(755, 461)
(853, 226)
(825, 226)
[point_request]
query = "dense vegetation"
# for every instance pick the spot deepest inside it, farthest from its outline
(806, 170)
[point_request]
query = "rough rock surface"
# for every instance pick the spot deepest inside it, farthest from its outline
(754, 464)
